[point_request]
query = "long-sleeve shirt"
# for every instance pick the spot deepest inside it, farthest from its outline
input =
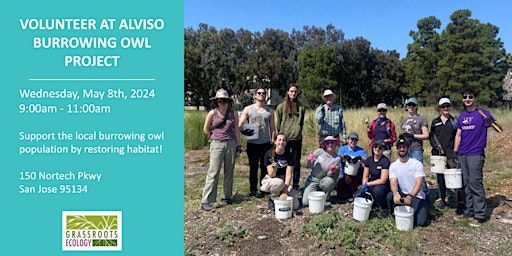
(290, 124)
(331, 121)
(445, 134)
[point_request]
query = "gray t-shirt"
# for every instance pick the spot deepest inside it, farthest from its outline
(320, 167)
(413, 125)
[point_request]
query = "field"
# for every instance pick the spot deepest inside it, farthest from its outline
(247, 228)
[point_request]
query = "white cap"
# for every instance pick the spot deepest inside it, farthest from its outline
(328, 92)
(382, 106)
(444, 101)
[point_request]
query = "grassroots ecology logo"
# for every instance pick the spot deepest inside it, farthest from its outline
(92, 231)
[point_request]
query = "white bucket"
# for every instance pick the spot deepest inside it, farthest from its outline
(316, 201)
(351, 169)
(453, 178)
(362, 208)
(438, 164)
(404, 218)
(254, 127)
(283, 208)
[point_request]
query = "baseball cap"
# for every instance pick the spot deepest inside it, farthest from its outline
(412, 100)
(353, 135)
(444, 101)
(402, 141)
(382, 106)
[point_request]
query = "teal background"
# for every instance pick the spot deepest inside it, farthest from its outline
(148, 189)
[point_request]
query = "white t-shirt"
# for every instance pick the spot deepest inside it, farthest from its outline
(406, 174)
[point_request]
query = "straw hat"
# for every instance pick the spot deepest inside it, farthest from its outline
(222, 94)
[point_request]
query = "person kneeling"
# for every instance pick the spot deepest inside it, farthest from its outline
(324, 163)
(406, 178)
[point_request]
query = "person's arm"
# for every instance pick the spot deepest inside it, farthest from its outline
(243, 118)
(423, 135)
(384, 174)
(369, 130)
(432, 134)
(272, 126)
(366, 175)
(208, 122)
(237, 131)
(393, 133)
(287, 181)
(456, 143)
(278, 116)
(417, 187)
(320, 114)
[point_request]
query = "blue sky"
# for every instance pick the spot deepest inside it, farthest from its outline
(386, 24)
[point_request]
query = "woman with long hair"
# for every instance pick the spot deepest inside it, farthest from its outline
(289, 117)
(279, 165)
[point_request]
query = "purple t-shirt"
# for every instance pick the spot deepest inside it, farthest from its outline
(473, 137)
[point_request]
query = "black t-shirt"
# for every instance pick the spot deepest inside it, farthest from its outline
(376, 167)
(282, 161)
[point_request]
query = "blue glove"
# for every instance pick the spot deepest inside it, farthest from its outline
(341, 174)
(364, 188)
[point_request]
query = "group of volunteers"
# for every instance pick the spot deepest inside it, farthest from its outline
(276, 152)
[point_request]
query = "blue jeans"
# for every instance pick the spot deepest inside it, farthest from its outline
(326, 184)
(418, 155)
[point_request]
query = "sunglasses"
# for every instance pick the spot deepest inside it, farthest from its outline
(330, 143)
(382, 110)
(261, 93)
(411, 105)
(468, 96)
(378, 147)
(222, 101)
(445, 106)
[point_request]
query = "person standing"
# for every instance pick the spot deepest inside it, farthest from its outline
(263, 116)
(330, 118)
(415, 130)
(375, 176)
(221, 125)
(383, 129)
(347, 185)
(279, 165)
(323, 162)
(289, 119)
(469, 150)
(442, 139)
(406, 176)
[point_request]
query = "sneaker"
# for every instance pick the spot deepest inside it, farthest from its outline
(252, 194)
(461, 217)
(460, 209)
(227, 200)
(440, 204)
(206, 207)
(261, 194)
(476, 223)
(270, 204)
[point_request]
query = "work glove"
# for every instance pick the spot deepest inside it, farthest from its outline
(490, 120)
(364, 187)
(332, 169)
(247, 132)
(397, 198)
(238, 151)
(456, 157)
(311, 157)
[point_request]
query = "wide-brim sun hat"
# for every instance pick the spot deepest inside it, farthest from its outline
(330, 138)
(222, 94)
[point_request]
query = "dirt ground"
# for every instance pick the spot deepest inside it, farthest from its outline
(206, 232)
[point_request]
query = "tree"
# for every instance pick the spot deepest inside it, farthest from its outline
(318, 73)
(421, 62)
(472, 55)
